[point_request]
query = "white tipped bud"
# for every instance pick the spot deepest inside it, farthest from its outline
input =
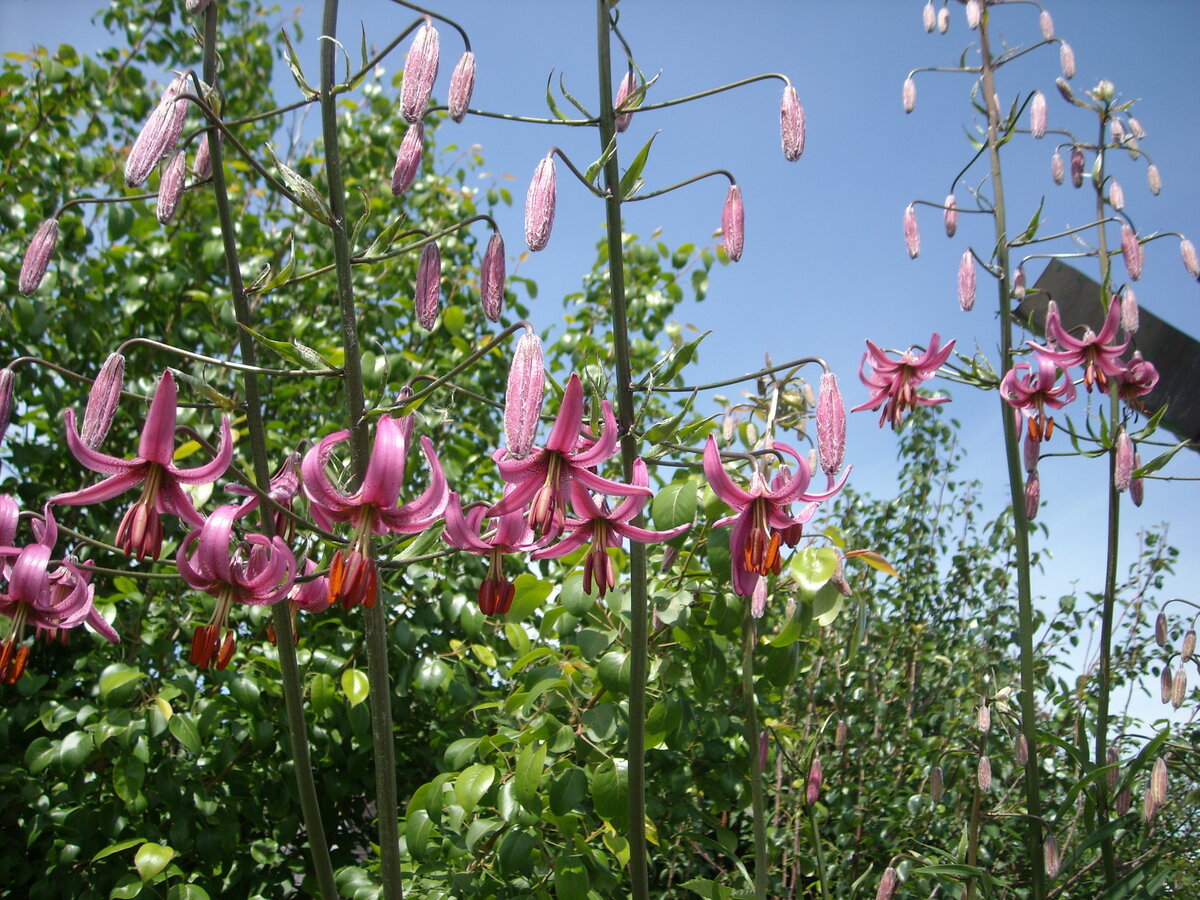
(889, 880)
(733, 223)
(1158, 781)
(1187, 252)
(1129, 310)
(1022, 751)
(966, 281)
(1179, 687)
(831, 425)
(937, 784)
(1131, 251)
(1050, 856)
(950, 215)
(1037, 115)
(540, 202)
(816, 776)
(984, 774)
(1033, 495)
(1018, 287)
(408, 159)
(791, 124)
(909, 94)
(158, 135)
(983, 719)
(420, 71)
(1118, 131)
(1077, 166)
(1189, 646)
(1123, 468)
(1116, 196)
(429, 286)
(912, 235)
(1137, 487)
(1154, 179)
(929, 16)
(1056, 168)
(1165, 682)
(943, 20)
(491, 278)
(1047, 25)
(974, 13)
(202, 164)
(1066, 59)
(462, 86)
(523, 399)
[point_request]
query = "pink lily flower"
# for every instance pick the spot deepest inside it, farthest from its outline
(284, 486)
(257, 570)
(762, 516)
(35, 594)
(373, 507)
(893, 382)
(1100, 358)
(510, 534)
(140, 531)
(544, 477)
(604, 528)
(1026, 388)
(1137, 380)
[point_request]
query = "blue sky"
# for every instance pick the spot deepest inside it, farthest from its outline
(825, 264)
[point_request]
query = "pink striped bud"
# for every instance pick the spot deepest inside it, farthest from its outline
(202, 164)
(103, 400)
(1123, 469)
(758, 599)
(791, 124)
(887, 883)
(1116, 195)
(1050, 856)
(429, 286)
(1164, 684)
(1158, 781)
(539, 205)
(37, 257)
(1122, 803)
(170, 188)
(950, 215)
(1118, 132)
(6, 404)
(816, 777)
(1136, 127)
(984, 774)
(1047, 25)
(628, 83)
(1031, 451)
(943, 20)
(1018, 285)
(1066, 59)
(491, 278)
(912, 235)
(1160, 629)
(420, 71)
(1037, 115)
(1149, 807)
(1137, 486)
(733, 223)
(1056, 168)
(831, 425)
(408, 159)
(966, 281)
(523, 399)
(1077, 164)
(1187, 252)
(1033, 495)
(983, 719)
(462, 86)
(1154, 179)
(1129, 310)
(1179, 687)
(974, 13)
(1131, 250)
(929, 17)
(158, 135)
(1022, 751)
(1189, 646)
(909, 94)
(937, 784)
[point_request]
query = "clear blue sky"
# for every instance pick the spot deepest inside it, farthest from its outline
(825, 265)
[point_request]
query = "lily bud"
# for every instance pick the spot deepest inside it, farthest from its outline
(816, 777)
(1056, 168)
(6, 402)
(628, 83)
(1179, 687)
(1158, 781)
(1149, 807)
(420, 71)
(984, 774)
(1037, 115)
(1131, 250)
(523, 398)
(1123, 801)
(539, 205)
(950, 215)
(912, 235)
(158, 135)
(839, 735)
(103, 400)
(429, 286)
(1031, 448)
(764, 746)
(1129, 310)
(1153, 179)
(1118, 131)
(966, 281)
(758, 599)
(1189, 646)
(1165, 683)
(1187, 251)
(1111, 758)
(791, 124)
(1123, 470)
(462, 86)
(983, 719)
(937, 784)
(1116, 195)
(1050, 856)
(408, 159)
(1047, 25)
(909, 94)
(491, 278)
(1137, 487)
(943, 20)
(1077, 165)
(929, 17)
(1066, 59)
(1018, 286)
(170, 188)
(887, 883)
(974, 13)
(831, 425)
(733, 223)
(1160, 629)
(202, 164)
(1022, 751)
(37, 257)
(1033, 495)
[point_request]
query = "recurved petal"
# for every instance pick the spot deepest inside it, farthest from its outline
(213, 469)
(606, 443)
(316, 482)
(110, 487)
(426, 509)
(158, 434)
(94, 459)
(565, 434)
(718, 479)
(385, 469)
(172, 499)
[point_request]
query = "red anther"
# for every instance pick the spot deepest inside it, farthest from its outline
(17, 668)
(227, 647)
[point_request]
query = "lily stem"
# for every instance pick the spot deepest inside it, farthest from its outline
(757, 796)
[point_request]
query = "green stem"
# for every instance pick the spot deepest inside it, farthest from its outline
(382, 730)
(289, 669)
(1012, 452)
(638, 603)
(757, 796)
(819, 853)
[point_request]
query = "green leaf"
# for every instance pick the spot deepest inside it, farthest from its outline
(187, 892)
(1159, 461)
(422, 543)
(129, 773)
(707, 889)
(571, 877)
(293, 63)
(593, 171)
(117, 848)
(562, 86)
(418, 828)
(184, 730)
(827, 605)
(812, 567)
(568, 790)
(459, 752)
(1031, 229)
(303, 192)
(116, 676)
(874, 560)
(530, 593)
(472, 784)
(631, 180)
(614, 672)
(550, 102)
(356, 686)
(674, 504)
(610, 791)
(680, 359)
(151, 859)
(530, 764)
(515, 852)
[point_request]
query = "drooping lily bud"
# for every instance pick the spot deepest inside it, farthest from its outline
(983, 719)
(1116, 195)
(1129, 310)
(539, 205)
(1158, 781)
(1179, 686)
(462, 86)
(758, 599)
(408, 159)
(1187, 252)
(170, 188)
(202, 164)
(1047, 24)
(1050, 856)
(950, 215)
(984, 774)
(943, 20)
(966, 281)
(1149, 807)
(158, 135)
(1066, 59)
(974, 13)
(1160, 629)
(909, 94)
(1022, 751)
(1164, 684)
(491, 278)
(887, 883)
(1131, 250)
(1056, 168)
(831, 425)
(628, 83)
(420, 71)
(1123, 470)
(1077, 164)
(839, 735)
(791, 124)
(6, 400)
(37, 257)
(1118, 131)
(929, 17)
(1189, 646)
(1111, 758)
(523, 398)
(764, 746)
(1018, 285)
(1137, 486)
(103, 400)
(733, 223)
(1031, 450)
(1154, 179)
(1033, 495)
(1037, 115)
(937, 784)
(429, 286)
(912, 235)
(816, 777)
